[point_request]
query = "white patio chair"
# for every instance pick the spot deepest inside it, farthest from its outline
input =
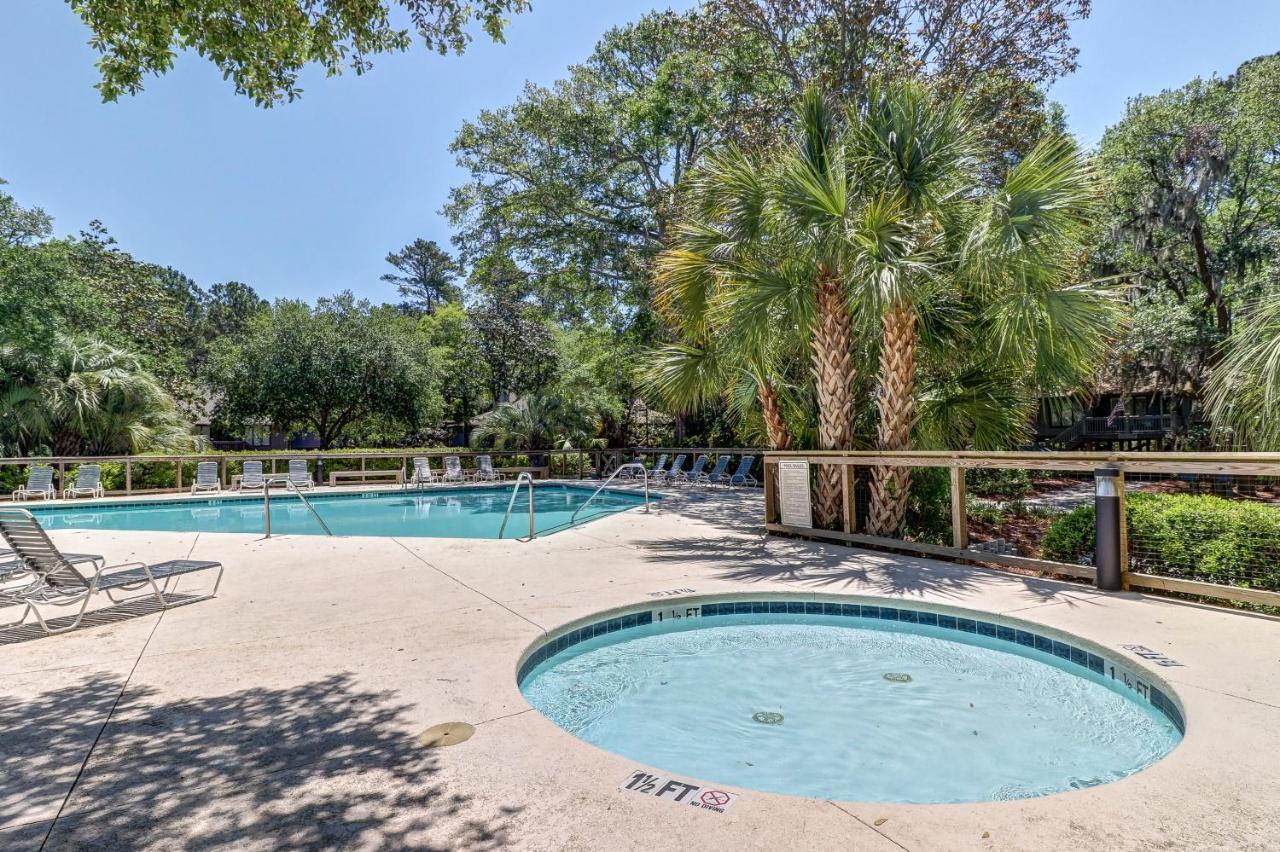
(207, 478)
(251, 478)
(422, 473)
(299, 475)
(485, 472)
(39, 484)
(57, 582)
(88, 482)
(453, 471)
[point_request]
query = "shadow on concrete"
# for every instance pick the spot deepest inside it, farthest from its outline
(113, 614)
(749, 555)
(321, 765)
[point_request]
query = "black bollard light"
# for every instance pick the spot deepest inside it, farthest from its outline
(1106, 504)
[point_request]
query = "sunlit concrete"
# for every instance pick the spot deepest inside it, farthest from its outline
(284, 712)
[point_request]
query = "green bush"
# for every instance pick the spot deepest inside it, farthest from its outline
(1006, 483)
(929, 506)
(1188, 535)
(1071, 538)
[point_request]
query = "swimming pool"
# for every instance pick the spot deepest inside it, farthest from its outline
(852, 700)
(444, 513)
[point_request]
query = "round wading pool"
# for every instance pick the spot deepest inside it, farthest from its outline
(850, 700)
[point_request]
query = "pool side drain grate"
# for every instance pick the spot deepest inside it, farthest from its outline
(897, 677)
(446, 734)
(765, 717)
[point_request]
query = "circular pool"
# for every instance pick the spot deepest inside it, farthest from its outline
(852, 700)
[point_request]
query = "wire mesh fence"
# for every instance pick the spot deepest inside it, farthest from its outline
(1216, 528)
(1204, 525)
(1012, 510)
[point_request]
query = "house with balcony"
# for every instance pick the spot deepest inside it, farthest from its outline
(1114, 418)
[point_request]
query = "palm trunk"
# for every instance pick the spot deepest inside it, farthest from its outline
(833, 372)
(774, 424)
(891, 486)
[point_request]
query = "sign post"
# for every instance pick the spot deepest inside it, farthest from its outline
(797, 504)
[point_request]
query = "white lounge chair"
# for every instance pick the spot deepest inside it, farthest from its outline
(39, 484)
(207, 478)
(299, 475)
(422, 473)
(88, 482)
(453, 471)
(57, 582)
(251, 478)
(485, 472)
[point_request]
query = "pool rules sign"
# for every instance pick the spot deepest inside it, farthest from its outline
(678, 792)
(793, 491)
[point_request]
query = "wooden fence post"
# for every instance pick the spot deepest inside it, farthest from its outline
(128, 476)
(959, 517)
(178, 476)
(770, 495)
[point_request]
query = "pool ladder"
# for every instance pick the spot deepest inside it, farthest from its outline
(290, 486)
(524, 477)
(643, 472)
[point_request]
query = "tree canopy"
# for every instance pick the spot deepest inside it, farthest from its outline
(1194, 216)
(262, 45)
(324, 369)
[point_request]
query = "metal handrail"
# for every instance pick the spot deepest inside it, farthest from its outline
(524, 477)
(289, 486)
(643, 471)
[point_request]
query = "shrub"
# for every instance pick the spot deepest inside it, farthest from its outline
(1007, 483)
(1190, 535)
(1071, 538)
(929, 506)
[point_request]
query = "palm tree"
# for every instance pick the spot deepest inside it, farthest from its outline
(86, 396)
(875, 235)
(538, 423)
(928, 232)
(723, 350)
(1244, 389)
(758, 258)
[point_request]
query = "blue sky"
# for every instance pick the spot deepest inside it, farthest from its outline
(306, 199)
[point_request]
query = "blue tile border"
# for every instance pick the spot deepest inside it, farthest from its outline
(109, 504)
(1064, 651)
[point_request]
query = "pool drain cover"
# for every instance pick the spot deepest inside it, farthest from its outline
(767, 718)
(897, 677)
(447, 734)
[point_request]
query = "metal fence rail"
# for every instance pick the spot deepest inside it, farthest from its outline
(1202, 524)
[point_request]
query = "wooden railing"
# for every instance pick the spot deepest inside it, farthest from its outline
(1186, 465)
(122, 473)
(181, 467)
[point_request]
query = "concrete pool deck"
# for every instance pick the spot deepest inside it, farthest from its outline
(285, 712)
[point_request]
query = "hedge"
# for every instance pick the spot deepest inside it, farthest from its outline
(1195, 536)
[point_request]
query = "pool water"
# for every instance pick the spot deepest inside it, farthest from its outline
(446, 513)
(847, 708)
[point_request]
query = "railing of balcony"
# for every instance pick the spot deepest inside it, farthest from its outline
(1129, 424)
